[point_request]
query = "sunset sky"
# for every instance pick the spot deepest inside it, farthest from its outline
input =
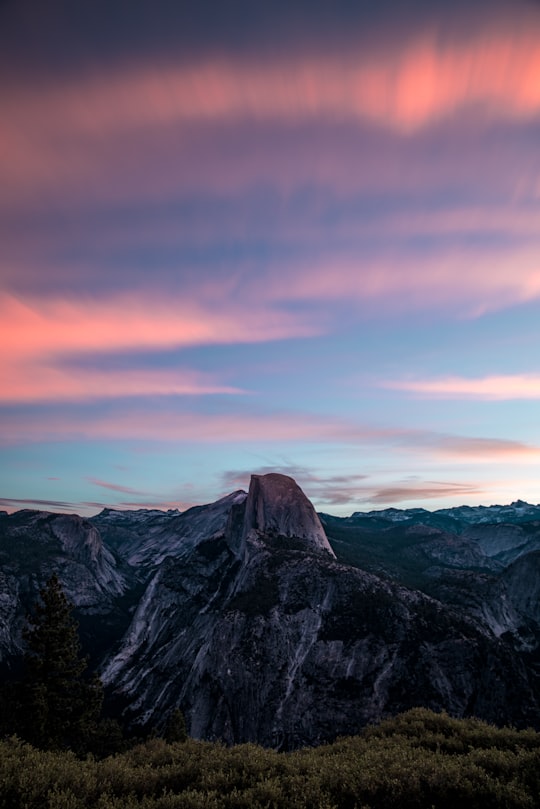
(239, 237)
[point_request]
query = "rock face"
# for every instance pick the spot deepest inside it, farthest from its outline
(260, 634)
(266, 623)
(33, 545)
(299, 649)
(277, 507)
(521, 581)
(145, 538)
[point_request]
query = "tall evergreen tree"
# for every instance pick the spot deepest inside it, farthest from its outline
(175, 729)
(61, 706)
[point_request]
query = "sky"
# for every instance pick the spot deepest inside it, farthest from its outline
(298, 237)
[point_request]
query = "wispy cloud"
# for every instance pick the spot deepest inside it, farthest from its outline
(255, 425)
(497, 387)
(18, 503)
(179, 425)
(510, 220)
(127, 322)
(141, 499)
(115, 487)
(429, 491)
(353, 490)
(87, 507)
(39, 383)
(37, 338)
(404, 84)
(481, 450)
(489, 279)
(321, 488)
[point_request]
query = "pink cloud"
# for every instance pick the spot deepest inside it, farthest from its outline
(333, 157)
(33, 383)
(482, 450)
(466, 282)
(470, 281)
(175, 426)
(405, 85)
(498, 387)
(51, 136)
(37, 335)
(114, 487)
(128, 322)
(387, 495)
(169, 427)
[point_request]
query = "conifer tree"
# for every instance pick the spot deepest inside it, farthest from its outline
(175, 729)
(61, 706)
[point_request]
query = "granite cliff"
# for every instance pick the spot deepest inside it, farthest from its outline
(266, 622)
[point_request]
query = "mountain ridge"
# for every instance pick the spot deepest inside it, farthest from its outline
(266, 622)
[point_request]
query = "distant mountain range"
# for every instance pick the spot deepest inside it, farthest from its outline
(266, 622)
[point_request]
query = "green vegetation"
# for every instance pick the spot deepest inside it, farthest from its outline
(417, 760)
(59, 706)
(175, 729)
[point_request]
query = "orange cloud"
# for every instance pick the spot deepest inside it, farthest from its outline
(499, 387)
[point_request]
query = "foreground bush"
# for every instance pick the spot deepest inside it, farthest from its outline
(419, 759)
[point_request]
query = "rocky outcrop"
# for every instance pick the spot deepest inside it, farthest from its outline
(10, 623)
(145, 538)
(35, 544)
(521, 581)
(283, 645)
(505, 542)
(277, 508)
(293, 649)
(266, 623)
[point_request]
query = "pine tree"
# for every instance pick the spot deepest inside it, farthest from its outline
(175, 729)
(61, 706)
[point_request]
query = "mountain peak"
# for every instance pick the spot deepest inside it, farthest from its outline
(277, 506)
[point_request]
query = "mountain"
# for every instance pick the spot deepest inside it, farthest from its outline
(266, 622)
(33, 545)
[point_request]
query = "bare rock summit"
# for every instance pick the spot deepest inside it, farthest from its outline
(277, 507)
